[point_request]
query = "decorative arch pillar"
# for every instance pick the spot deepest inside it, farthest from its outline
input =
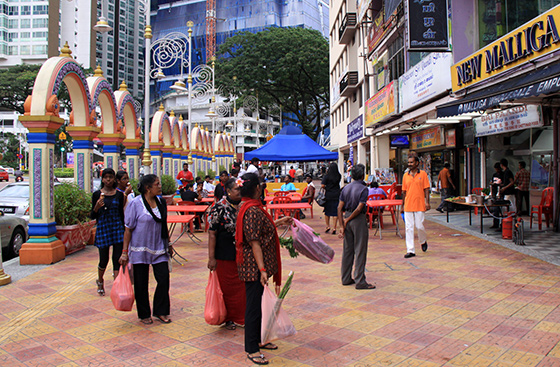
(132, 156)
(177, 160)
(155, 151)
(167, 159)
(112, 149)
(42, 247)
(83, 154)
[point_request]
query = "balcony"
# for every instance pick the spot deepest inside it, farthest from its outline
(347, 28)
(349, 83)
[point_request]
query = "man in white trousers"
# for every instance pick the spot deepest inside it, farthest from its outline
(416, 200)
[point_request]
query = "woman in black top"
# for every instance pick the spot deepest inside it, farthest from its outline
(108, 208)
(331, 184)
(221, 253)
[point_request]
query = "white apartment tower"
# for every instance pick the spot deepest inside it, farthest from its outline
(31, 31)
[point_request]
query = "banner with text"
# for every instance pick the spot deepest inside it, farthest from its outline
(516, 118)
(431, 137)
(381, 105)
(355, 129)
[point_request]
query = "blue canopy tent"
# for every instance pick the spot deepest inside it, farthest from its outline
(291, 145)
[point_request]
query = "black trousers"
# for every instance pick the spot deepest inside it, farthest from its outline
(253, 316)
(161, 296)
(104, 256)
(520, 196)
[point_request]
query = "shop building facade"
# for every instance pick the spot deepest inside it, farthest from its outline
(432, 77)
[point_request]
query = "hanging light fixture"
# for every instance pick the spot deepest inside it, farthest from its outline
(179, 85)
(160, 75)
(102, 26)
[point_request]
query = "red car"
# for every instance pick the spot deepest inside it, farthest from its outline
(4, 175)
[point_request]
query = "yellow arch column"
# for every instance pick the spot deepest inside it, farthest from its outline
(42, 247)
(132, 155)
(155, 151)
(83, 154)
(167, 156)
(111, 149)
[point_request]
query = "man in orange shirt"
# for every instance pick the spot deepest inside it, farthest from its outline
(444, 179)
(416, 200)
(185, 176)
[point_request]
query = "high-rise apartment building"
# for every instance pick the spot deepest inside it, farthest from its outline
(33, 31)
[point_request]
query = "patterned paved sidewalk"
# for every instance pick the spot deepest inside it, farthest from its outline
(466, 302)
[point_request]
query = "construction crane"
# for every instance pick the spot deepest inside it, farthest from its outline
(210, 30)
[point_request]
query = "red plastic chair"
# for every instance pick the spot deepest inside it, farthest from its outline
(374, 211)
(477, 191)
(284, 212)
(545, 207)
(391, 209)
(281, 193)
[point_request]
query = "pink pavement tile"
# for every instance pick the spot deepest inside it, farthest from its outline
(353, 352)
(479, 304)
(420, 338)
(549, 362)
(441, 351)
(226, 349)
(128, 351)
(204, 359)
(402, 348)
(398, 329)
(25, 355)
(484, 322)
(9, 360)
(59, 341)
(539, 342)
(325, 344)
(435, 329)
(50, 360)
(346, 336)
(500, 341)
(512, 331)
(206, 341)
(302, 354)
(20, 345)
(9, 306)
(86, 311)
(149, 359)
(100, 360)
(322, 329)
(331, 360)
(63, 322)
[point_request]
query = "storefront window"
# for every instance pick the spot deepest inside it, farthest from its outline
(498, 17)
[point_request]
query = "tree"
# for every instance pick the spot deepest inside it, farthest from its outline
(16, 83)
(9, 147)
(287, 67)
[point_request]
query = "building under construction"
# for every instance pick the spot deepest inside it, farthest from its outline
(216, 20)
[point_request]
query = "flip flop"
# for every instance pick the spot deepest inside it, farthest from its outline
(258, 359)
(147, 321)
(161, 319)
(269, 346)
(230, 325)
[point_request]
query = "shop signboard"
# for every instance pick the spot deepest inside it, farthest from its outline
(355, 129)
(450, 139)
(428, 25)
(428, 79)
(382, 105)
(528, 42)
(516, 118)
(379, 29)
(351, 155)
(70, 160)
(431, 137)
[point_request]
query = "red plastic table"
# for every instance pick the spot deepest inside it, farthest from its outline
(289, 206)
(389, 203)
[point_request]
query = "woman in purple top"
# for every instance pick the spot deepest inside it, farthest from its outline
(146, 241)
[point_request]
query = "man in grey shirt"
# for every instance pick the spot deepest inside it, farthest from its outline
(354, 229)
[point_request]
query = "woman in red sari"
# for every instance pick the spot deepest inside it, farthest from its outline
(258, 258)
(221, 253)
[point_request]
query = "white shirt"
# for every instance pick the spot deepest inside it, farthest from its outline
(208, 186)
(252, 169)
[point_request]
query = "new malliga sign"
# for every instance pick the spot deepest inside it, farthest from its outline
(533, 39)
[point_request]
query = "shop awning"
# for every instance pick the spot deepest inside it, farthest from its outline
(536, 83)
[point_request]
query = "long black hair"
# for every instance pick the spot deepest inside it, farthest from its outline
(332, 173)
(146, 182)
(108, 171)
(250, 183)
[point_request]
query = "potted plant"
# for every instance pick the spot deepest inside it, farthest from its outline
(168, 188)
(72, 207)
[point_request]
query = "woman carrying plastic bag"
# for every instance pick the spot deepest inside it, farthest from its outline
(215, 309)
(122, 293)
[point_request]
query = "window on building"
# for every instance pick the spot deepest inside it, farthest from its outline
(25, 50)
(25, 23)
(13, 37)
(41, 23)
(396, 59)
(14, 10)
(13, 1)
(39, 49)
(26, 10)
(40, 36)
(12, 50)
(13, 23)
(40, 9)
(25, 36)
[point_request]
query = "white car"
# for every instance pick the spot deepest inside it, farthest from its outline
(13, 231)
(14, 200)
(10, 170)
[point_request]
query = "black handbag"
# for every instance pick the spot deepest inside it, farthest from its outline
(321, 199)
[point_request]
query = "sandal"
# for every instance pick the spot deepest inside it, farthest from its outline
(230, 325)
(268, 346)
(100, 288)
(147, 321)
(258, 359)
(334, 232)
(328, 230)
(162, 318)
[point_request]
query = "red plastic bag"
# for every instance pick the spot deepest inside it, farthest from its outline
(215, 308)
(276, 323)
(122, 293)
(309, 244)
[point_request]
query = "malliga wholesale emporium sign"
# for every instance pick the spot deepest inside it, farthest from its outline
(517, 118)
(530, 41)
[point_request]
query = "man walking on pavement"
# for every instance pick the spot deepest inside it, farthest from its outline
(354, 229)
(522, 180)
(416, 200)
(444, 181)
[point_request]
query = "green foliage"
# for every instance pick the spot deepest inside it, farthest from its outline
(486, 191)
(16, 83)
(9, 147)
(72, 205)
(212, 174)
(200, 174)
(134, 183)
(222, 168)
(288, 244)
(64, 172)
(287, 68)
(168, 185)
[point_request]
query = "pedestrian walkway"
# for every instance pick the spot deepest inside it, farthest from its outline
(465, 302)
